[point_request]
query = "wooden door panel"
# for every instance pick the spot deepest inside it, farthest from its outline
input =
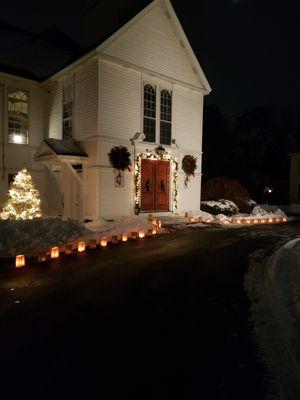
(147, 185)
(162, 186)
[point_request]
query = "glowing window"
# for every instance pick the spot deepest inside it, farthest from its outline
(18, 117)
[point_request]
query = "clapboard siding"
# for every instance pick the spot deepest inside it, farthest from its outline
(92, 192)
(115, 201)
(187, 118)
(54, 111)
(120, 101)
(189, 197)
(152, 43)
(36, 116)
(86, 101)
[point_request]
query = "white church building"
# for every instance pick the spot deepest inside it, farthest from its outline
(142, 88)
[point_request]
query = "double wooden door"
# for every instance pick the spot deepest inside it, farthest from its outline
(155, 185)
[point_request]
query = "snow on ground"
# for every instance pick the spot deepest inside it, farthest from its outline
(182, 219)
(274, 291)
(118, 225)
(260, 212)
(220, 205)
(32, 237)
(37, 236)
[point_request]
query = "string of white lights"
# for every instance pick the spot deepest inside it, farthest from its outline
(137, 172)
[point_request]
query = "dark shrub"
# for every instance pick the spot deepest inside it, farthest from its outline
(225, 188)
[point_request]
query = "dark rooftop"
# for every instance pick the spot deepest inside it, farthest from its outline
(65, 147)
(37, 56)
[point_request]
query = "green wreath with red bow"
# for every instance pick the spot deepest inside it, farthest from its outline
(119, 158)
(189, 166)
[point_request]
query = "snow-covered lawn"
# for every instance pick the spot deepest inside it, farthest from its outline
(37, 236)
(118, 225)
(32, 237)
(274, 291)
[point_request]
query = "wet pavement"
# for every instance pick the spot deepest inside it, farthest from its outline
(156, 319)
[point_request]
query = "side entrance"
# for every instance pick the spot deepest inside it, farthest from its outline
(155, 185)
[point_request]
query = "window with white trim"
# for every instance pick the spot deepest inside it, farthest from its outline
(18, 116)
(149, 112)
(157, 124)
(165, 117)
(68, 103)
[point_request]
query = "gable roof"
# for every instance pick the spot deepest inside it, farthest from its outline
(64, 54)
(170, 17)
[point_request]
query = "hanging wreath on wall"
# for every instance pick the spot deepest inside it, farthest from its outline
(189, 166)
(119, 158)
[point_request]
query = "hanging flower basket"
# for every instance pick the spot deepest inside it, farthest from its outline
(189, 166)
(119, 158)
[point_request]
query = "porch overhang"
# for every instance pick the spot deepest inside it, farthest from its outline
(60, 151)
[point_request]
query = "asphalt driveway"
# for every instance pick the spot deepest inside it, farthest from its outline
(160, 319)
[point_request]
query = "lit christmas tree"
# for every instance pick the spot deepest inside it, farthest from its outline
(23, 199)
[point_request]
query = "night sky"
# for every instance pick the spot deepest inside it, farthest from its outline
(247, 48)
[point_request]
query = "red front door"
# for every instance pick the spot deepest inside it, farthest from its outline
(155, 185)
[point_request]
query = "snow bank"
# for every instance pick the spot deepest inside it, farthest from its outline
(118, 225)
(32, 237)
(274, 291)
(183, 218)
(202, 214)
(260, 212)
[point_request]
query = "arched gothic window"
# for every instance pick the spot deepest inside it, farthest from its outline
(18, 117)
(165, 117)
(149, 112)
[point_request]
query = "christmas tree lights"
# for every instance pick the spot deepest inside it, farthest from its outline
(23, 199)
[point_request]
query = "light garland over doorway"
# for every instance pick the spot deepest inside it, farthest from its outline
(137, 177)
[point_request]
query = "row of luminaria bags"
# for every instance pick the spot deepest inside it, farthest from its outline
(103, 241)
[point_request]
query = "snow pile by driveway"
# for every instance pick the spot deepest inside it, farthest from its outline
(260, 212)
(274, 291)
(32, 237)
(183, 218)
(119, 225)
(37, 236)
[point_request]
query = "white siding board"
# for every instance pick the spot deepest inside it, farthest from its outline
(115, 201)
(120, 101)
(92, 190)
(36, 116)
(187, 118)
(189, 197)
(86, 101)
(152, 43)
